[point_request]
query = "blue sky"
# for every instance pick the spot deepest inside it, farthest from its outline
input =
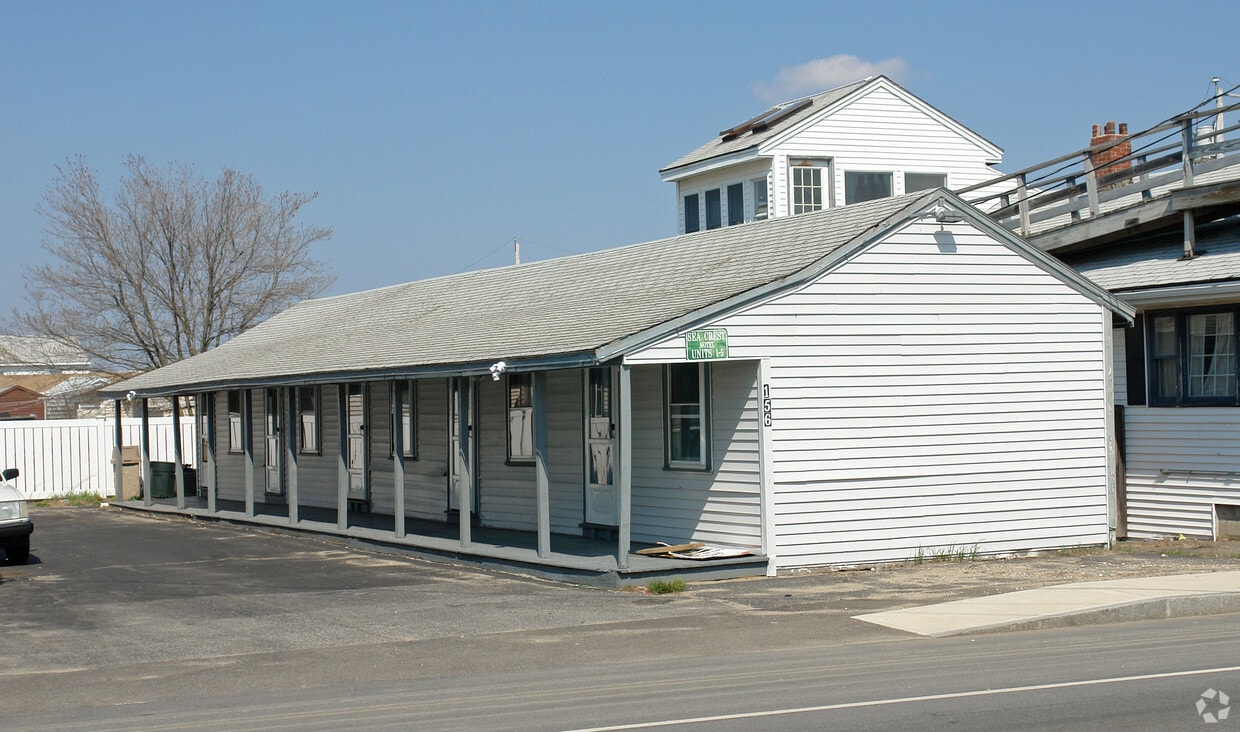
(436, 133)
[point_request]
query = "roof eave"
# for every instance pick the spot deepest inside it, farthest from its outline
(577, 359)
(671, 175)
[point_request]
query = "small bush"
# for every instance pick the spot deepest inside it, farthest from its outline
(666, 587)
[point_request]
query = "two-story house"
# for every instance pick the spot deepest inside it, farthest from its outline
(866, 140)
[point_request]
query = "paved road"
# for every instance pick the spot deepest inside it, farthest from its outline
(124, 621)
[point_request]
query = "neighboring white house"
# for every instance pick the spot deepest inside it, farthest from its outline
(1177, 373)
(866, 140)
(862, 384)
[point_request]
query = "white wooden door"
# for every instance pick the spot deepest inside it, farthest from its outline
(275, 447)
(601, 500)
(462, 446)
(356, 398)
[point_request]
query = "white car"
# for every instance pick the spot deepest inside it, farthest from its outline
(15, 525)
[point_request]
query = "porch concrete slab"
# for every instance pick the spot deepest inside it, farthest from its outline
(1078, 603)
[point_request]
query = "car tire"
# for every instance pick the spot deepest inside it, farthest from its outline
(19, 554)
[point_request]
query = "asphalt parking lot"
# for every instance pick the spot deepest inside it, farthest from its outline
(121, 607)
(106, 587)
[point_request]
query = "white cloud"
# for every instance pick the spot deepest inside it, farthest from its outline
(825, 73)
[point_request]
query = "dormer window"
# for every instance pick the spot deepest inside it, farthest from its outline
(809, 182)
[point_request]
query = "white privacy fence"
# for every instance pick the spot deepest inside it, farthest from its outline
(57, 457)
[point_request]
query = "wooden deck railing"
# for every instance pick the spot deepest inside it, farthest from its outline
(1187, 150)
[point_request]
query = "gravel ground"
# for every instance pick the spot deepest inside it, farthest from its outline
(890, 586)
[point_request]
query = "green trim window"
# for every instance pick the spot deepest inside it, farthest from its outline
(235, 443)
(686, 416)
(1192, 358)
(520, 418)
(309, 426)
(407, 389)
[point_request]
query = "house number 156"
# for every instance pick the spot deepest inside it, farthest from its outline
(766, 405)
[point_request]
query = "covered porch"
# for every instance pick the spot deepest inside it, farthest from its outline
(565, 513)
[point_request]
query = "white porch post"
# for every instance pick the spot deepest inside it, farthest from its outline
(342, 464)
(145, 441)
(291, 430)
(541, 479)
(398, 459)
(247, 443)
(208, 404)
(464, 486)
(177, 470)
(625, 463)
(118, 470)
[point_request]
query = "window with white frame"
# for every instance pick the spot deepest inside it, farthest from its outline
(866, 186)
(693, 221)
(308, 422)
(736, 204)
(520, 418)
(807, 183)
(1192, 358)
(406, 392)
(914, 182)
(235, 443)
(714, 209)
(686, 417)
(759, 199)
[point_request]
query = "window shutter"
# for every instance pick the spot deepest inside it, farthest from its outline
(1134, 351)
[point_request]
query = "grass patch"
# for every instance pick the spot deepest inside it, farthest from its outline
(951, 553)
(666, 587)
(71, 499)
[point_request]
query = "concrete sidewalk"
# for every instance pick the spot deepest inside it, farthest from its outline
(1079, 603)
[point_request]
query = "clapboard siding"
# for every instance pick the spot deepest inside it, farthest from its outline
(426, 482)
(508, 493)
(566, 450)
(505, 492)
(318, 473)
(1180, 464)
(879, 132)
(927, 396)
(719, 506)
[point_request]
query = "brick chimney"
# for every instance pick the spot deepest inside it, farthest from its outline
(1102, 135)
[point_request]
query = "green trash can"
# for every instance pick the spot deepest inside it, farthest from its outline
(163, 480)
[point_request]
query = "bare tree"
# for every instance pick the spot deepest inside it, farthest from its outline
(172, 265)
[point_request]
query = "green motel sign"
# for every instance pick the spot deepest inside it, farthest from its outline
(704, 345)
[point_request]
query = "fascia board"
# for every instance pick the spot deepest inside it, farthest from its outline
(478, 368)
(672, 175)
(1186, 295)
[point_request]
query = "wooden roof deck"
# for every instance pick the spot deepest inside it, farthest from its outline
(1178, 171)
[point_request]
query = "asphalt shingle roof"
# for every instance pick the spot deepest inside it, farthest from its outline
(719, 146)
(1159, 261)
(570, 305)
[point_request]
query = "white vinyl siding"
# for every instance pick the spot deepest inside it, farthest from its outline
(1180, 463)
(877, 132)
(507, 492)
(927, 397)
